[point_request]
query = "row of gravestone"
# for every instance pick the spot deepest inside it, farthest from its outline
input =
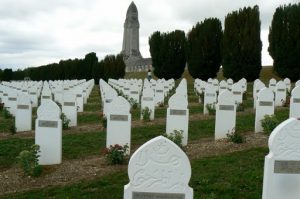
(20, 103)
(160, 169)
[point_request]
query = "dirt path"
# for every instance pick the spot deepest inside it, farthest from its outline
(89, 168)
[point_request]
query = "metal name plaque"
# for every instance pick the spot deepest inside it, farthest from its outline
(134, 92)
(210, 94)
(159, 91)
(32, 93)
(148, 195)
(223, 87)
(5, 94)
(281, 90)
(69, 103)
(264, 103)
(287, 167)
(23, 107)
(78, 95)
(177, 112)
(108, 100)
(126, 89)
(166, 87)
(272, 84)
(46, 97)
(1, 91)
(119, 118)
(48, 124)
(12, 99)
(236, 93)
(226, 107)
(296, 100)
(148, 98)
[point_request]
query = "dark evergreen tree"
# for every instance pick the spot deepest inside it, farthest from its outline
(241, 52)
(168, 54)
(284, 41)
(7, 74)
(113, 67)
(204, 49)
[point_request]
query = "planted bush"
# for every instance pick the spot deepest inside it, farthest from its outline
(235, 137)
(146, 113)
(28, 160)
(6, 114)
(240, 107)
(133, 103)
(116, 154)
(211, 108)
(175, 137)
(269, 123)
(65, 121)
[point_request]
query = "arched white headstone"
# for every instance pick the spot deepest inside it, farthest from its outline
(295, 103)
(282, 164)
(23, 120)
(159, 168)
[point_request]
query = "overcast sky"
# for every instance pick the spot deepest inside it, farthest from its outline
(38, 32)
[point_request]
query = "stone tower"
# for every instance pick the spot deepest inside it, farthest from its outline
(131, 49)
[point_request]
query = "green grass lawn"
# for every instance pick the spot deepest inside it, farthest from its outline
(231, 176)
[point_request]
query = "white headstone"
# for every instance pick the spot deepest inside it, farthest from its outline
(178, 116)
(257, 86)
(295, 103)
(148, 101)
(69, 107)
(280, 93)
(225, 115)
(264, 106)
(159, 94)
(272, 84)
(210, 97)
(48, 133)
(223, 86)
(287, 82)
(282, 164)
(23, 120)
(119, 123)
(159, 169)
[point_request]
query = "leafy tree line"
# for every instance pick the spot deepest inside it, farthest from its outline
(88, 68)
(284, 41)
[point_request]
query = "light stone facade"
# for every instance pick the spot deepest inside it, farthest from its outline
(131, 50)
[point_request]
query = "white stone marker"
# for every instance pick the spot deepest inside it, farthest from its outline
(264, 106)
(295, 103)
(225, 115)
(258, 85)
(23, 113)
(79, 99)
(272, 84)
(12, 102)
(159, 169)
(223, 86)
(119, 123)
(178, 116)
(237, 91)
(159, 94)
(48, 133)
(280, 93)
(210, 97)
(230, 83)
(69, 107)
(297, 83)
(282, 164)
(148, 101)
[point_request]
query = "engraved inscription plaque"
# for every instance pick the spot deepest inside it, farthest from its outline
(134, 92)
(126, 89)
(78, 95)
(281, 90)
(222, 87)
(287, 167)
(5, 94)
(118, 117)
(23, 107)
(12, 99)
(264, 103)
(32, 93)
(48, 124)
(226, 107)
(46, 97)
(177, 112)
(108, 100)
(148, 98)
(210, 94)
(148, 195)
(237, 93)
(296, 100)
(69, 103)
(159, 91)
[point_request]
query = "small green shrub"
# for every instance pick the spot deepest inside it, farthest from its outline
(176, 137)
(28, 160)
(116, 154)
(146, 112)
(240, 107)
(1, 106)
(269, 123)
(13, 128)
(245, 96)
(6, 114)
(161, 104)
(211, 108)
(235, 137)
(133, 103)
(65, 121)
(201, 95)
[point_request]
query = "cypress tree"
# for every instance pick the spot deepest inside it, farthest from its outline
(204, 49)
(242, 45)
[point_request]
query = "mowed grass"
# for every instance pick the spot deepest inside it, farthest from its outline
(231, 176)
